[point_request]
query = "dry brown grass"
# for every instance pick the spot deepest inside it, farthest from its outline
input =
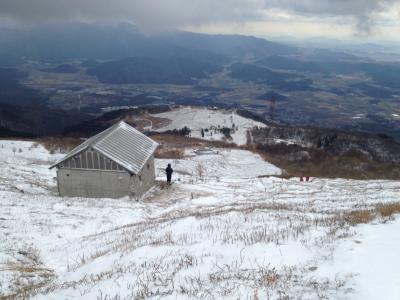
(173, 146)
(59, 144)
(387, 210)
(143, 121)
(22, 268)
(158, 122)
(364, 216)
(163, 152)
(359, 217)
(186, 142)
(29, 274)
(324, 165)
(25, 292)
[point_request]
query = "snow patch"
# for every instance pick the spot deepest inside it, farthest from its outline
(201, 118)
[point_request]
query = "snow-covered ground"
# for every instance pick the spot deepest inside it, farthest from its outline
(228, 163)
(222, 231)
(197, 118)
(373, 258)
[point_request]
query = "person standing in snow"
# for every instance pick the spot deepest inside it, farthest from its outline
(169, 172)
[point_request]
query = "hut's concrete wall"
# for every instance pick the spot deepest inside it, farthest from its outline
(144, 180)
(105, 184)
(93, 183)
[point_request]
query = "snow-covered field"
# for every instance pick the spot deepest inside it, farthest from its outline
(197, 118)
(230, 163)
(222, 231)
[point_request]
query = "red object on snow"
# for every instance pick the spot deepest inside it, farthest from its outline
(304, 178)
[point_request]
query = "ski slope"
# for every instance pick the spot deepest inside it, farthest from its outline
(197, 118)
(223, 230)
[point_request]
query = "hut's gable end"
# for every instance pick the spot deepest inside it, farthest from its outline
(90, 159)
(145, 178)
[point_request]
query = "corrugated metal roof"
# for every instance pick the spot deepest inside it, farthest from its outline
(121, 143)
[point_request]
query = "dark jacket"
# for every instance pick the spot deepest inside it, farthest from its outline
(169, 171)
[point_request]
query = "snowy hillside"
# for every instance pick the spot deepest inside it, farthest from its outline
(223, 230)
(221, 163)
(202, 118)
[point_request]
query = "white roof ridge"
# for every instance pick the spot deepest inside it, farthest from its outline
(112, 130)
(117, 148)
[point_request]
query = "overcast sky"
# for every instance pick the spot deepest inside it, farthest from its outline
(377, 19)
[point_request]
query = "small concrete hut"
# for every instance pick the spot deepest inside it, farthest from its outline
(115, 163)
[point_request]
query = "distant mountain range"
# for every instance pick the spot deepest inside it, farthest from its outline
(58, 43)
(177, 56)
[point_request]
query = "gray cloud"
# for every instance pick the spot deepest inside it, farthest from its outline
(162, 14)
(145, 12)
(363, 11)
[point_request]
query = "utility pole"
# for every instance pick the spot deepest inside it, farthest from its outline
(272, 103)
(80, 102)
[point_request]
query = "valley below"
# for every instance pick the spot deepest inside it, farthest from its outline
(333, 101)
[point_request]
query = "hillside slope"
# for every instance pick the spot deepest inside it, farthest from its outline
(25, 111)
(220, 234)
(210, 121)
(174, 70)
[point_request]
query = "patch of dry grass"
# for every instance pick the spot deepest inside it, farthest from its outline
(59, 144)
(143, 121)
(169, 153)
(28, 274)
(364, 216)
(172, 146)
(387, 210)
(179, 141)
(320, 163)
(359, 217)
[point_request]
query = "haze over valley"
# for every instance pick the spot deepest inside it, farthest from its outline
(91, 68)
